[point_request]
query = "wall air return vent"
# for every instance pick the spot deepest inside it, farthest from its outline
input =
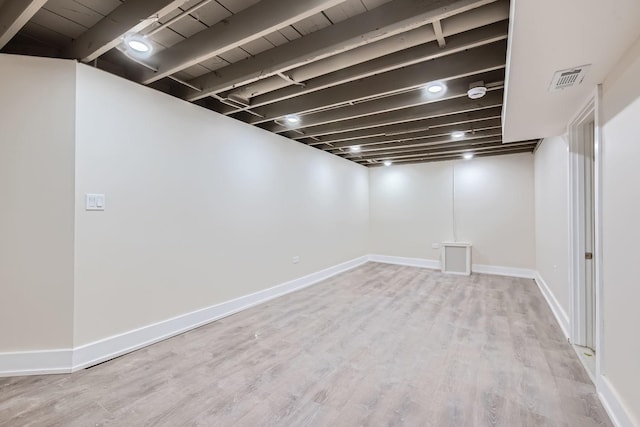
(456, 258)
(567, 78)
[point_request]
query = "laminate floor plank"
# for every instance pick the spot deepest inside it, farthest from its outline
(378, 345)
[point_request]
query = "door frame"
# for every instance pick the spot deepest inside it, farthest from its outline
(590, 109)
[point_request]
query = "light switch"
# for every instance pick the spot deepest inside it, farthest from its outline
(95, 202)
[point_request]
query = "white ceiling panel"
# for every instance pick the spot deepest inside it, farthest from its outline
(575, 32)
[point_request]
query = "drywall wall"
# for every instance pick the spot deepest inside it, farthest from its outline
(37, 99)
(552, 217)
(411, 207)
(620, 232)
(200, 208)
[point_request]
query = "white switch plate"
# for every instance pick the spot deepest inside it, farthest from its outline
(95, 202)
(435, 246)
(296, 259)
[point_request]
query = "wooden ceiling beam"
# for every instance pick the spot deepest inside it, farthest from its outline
(425, 136)
(475, 61)
(131, 16)
(384, 21)
(435, 109)
(384, 55)
(472, 118)
(247, 25)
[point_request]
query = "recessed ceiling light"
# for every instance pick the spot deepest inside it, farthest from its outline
(355, 148)
(467, 156)
(137, 44)
(292, 119)
(435, 88)
(457, 134)
(387, 162)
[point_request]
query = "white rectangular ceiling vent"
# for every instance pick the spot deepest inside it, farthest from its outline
(567, 78)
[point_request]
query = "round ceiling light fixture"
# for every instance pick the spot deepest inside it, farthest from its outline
(292, 119)
(477, 90)
(354, 148)
(467, 156)
(457, 134)
(387, 163)
(138, 44)
(435, 88)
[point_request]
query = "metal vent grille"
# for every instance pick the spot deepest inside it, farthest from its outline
(567, 78)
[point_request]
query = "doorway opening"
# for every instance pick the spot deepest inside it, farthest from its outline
(584, 183)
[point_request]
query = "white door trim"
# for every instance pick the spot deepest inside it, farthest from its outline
(591, 108)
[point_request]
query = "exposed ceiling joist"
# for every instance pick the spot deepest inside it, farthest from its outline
(437, 28)
(462, 120)
(443, 108)
(376, 141)
(403, 58)
(391, 77)
(446, 157)
(384, 21)
(250, 24)
(131, 16)
(495, 145)
(14, 14)
(455, 89)
(258, 91)
(429, 144)
(478, 60)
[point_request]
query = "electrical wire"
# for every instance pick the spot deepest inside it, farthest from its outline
(453, 201)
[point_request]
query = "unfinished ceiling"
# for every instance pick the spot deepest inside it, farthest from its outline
(357, 78)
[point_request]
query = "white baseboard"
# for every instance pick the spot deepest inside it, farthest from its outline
(435, 264)
(411, 262)
(65, 361)
(559, 313)
(35, 362)
(612, 404)
(498, 270)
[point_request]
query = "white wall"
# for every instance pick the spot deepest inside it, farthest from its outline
(200, 208)
(36, 203)
(411, 208)
(620, 234)
(620, 230)
(552, 218)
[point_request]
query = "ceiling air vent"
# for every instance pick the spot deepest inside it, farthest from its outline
(567, 78)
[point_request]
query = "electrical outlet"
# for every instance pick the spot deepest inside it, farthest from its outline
(435, 246)
(296, 259)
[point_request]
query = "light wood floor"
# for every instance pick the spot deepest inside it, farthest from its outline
(380, 345)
